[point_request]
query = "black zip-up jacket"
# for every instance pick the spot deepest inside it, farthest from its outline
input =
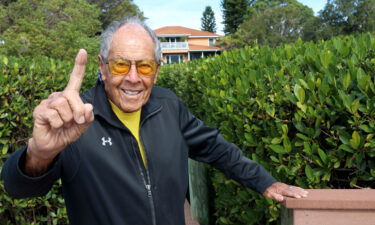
(104, 180)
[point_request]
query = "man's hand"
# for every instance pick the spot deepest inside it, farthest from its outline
(58, 121)
(278, 191)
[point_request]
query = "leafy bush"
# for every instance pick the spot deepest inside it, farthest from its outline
(304, 111)
(24, 83)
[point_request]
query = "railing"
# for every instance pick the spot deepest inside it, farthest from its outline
(174, 45)
(331, 207)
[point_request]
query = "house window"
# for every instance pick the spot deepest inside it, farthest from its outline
(174, 59)
(173, 39)
(211, 42)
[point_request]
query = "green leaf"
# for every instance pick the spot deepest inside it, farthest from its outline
(302, 107)
(242, 53)
(302, 136)
(309, 173)
(4, 150)
(223, 219)
(287, 145)
(355, 106)
(285, 129)
(353, 182)
(222, 94)
(372, 171)
(254, 157)
(344, 137)
(317, 160)
(347, 100)
(346, 81)
(355, 141)
(276, 141)
(299, 92)
(326, 58)
(366, 128)
(5, 60)
(362, 79)
(238, 83)
(307, 148)
(270, 110)
(273, 158)
(326, 176)
(346, 148)
(322, 155)
(303, 83)
(278, 149)
(250, 140)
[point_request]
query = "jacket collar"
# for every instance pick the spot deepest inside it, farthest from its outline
(103, 108)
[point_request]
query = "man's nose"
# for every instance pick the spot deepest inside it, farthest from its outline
(132, 76)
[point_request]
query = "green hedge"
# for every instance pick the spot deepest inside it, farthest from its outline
(24, 82)
(305, 111)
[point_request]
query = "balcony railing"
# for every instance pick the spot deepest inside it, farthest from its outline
(174, 45)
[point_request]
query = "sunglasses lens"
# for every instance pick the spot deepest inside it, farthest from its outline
(119, 67)
(146, 68)
(122, 67)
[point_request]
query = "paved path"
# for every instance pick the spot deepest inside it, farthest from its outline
(188, 219)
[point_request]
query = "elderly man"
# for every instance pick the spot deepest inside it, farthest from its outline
(121, 148)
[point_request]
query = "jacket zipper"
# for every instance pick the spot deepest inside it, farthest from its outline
(147, 180)
(147, 184)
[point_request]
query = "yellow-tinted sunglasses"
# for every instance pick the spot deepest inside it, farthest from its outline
(122, 67)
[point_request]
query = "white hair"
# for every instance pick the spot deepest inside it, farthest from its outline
(107, 35)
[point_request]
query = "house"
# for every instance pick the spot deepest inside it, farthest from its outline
(180, 44)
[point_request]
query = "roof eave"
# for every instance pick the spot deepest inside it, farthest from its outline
(205, 50)
(173, 35)
(204, 36)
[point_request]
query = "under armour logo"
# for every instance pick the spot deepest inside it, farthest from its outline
(106, 141)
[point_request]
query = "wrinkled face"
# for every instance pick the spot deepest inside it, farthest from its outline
(131, 91)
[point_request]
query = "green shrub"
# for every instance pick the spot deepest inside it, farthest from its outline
(304, 111)
(24, 82)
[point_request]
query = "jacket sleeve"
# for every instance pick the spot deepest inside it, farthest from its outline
(207, 145)
(19, 185)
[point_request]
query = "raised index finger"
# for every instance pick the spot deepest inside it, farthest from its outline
(78, 72)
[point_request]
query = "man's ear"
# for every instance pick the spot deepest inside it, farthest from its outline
(156, 75)
(101, 65)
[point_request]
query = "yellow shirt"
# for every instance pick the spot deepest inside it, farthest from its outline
(132, 122)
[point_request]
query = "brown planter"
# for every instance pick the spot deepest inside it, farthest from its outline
(331, 207)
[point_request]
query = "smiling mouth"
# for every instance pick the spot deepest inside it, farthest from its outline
(131, 92)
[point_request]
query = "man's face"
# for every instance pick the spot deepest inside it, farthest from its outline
(131, 91)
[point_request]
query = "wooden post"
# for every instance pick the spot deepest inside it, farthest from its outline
(198, 188)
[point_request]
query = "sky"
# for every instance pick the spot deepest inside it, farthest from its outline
(188, 13)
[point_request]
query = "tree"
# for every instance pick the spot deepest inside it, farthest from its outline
(55, 28)
(116, 10)
(208, 20)
(347, 17)
(3, 23)
(234, 13)
(6, 2)
(365, 16)
(281, 23)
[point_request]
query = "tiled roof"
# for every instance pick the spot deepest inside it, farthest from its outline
(183, 30)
